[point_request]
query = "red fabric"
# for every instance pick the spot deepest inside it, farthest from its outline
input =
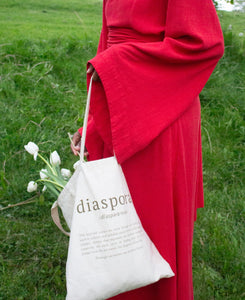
(153, 59)
(152, 81)
(94, 143)
(165, 181)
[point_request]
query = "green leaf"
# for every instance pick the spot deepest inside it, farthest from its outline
(41, 199)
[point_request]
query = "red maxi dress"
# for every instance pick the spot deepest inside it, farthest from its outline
(154, 58)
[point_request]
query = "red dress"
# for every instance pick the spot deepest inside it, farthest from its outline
(154, 57)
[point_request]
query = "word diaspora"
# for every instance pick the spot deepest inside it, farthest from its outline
(108, 203)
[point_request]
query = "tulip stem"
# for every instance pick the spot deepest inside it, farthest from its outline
(57, 179)
(51, 181)
(48, 164)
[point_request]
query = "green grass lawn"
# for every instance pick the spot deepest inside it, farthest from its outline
(44, 47)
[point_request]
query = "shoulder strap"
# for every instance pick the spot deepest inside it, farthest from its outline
(56, 218)
(85, 121)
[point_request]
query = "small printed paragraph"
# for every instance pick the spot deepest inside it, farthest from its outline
(113, 242)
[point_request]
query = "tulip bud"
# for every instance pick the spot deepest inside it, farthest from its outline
(55, 158)
(32, 187)
(32, 148)
(43, 173)
(65, 173)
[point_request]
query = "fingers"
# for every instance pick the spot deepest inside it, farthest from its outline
(95, 76)
(75, 144)
(86, 154)
(91, 70)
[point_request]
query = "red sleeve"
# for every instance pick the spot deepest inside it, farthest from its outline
(149, 85)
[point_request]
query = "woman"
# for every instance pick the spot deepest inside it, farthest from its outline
(154, 58)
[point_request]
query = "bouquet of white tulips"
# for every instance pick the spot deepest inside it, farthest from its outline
(51, 177)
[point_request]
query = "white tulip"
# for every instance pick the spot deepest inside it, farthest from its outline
(32, 187)
(43, 173)
(32, 148)
(241, 34)
(44, 188)
(65, 173)
(55, 158)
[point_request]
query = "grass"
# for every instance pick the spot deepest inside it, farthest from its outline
(219, 246)
(49, 19)
(44, 47)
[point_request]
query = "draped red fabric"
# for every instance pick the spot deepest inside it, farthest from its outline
(154, 58)
(153, 81)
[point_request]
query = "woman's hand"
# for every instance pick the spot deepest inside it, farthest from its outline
(76, 144)
(95, 75)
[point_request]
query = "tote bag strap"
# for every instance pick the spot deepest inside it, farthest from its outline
(56, 218)
(85, 122)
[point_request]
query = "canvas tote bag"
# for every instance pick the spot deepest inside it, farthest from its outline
(109, 251)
